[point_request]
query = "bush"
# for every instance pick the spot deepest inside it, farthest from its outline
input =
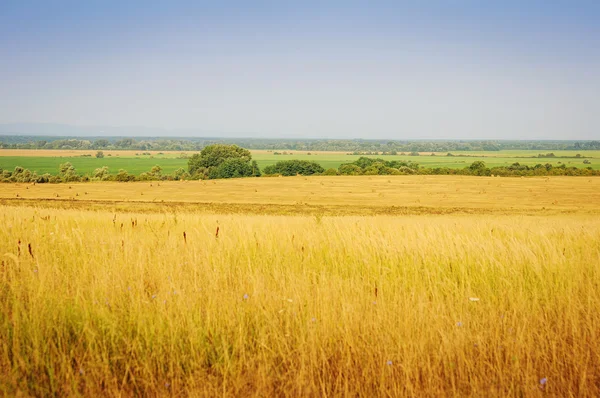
(294, 167)
(67, 172)
(180, 174)
(350, 169)
(101, 173)
(124, 176)
(231, 168)
(406, 170)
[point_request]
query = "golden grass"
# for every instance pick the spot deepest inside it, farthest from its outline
(335, 195)
(153, 303)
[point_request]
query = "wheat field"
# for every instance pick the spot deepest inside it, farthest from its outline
(200, 301)
(339, 195)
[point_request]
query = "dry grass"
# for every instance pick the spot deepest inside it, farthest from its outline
(339, 195)
(94, 302)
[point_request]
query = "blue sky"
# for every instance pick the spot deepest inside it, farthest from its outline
(378, 69)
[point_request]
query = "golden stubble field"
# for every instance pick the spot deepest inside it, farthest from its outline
(207, 299)
(331, 195)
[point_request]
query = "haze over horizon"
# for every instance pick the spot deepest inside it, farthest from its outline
(389, 70)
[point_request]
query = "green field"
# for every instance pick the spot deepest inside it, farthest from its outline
(172, 161)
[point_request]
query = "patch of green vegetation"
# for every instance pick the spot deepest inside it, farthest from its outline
(491, 159)
(169, 162)
(86, 165)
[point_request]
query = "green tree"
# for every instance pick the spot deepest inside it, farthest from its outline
(155, 172)
(101, 143)
(255, 169)
(350, 169)
(478, 168)
(180, 174)
(67, 172)
(214, 156)
(124, 176)
(101, 173)
(231, 168)
(99, 155)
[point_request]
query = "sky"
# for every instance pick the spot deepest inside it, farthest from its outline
(306, 69)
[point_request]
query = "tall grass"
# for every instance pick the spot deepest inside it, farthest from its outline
(283, 305)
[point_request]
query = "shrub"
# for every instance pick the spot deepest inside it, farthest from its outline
(124, 176)
(350, 169)
(101, 173)
(231, 168)
(294, 167)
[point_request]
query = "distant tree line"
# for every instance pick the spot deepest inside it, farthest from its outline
(358, 146)
(371, 166)
(231, 161)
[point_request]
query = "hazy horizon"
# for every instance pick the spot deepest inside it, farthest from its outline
(72, 131)
(341, 70)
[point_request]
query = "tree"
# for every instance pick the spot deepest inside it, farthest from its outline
(478, 168)
(364, 162)
(124, 176)
(231, 168)
(101, 173)
(156, 172)
(350, 169)
(214, 156)
(377, 168)
(101, 143)
(67, 172)
(180, 174)
(125, 143)
(99, 155)
(255, 169)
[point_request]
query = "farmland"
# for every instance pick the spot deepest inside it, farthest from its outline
(336, 195)
(383, 285)
(48, 161)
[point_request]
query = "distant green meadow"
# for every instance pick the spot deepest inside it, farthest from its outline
(170, 162)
